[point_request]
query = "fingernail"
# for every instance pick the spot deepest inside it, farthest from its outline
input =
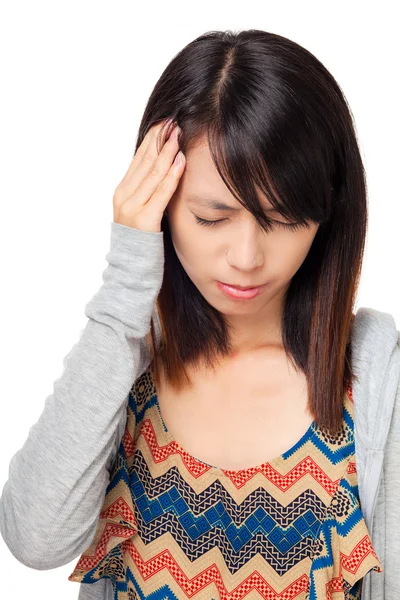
(176, 132)
(179, 158)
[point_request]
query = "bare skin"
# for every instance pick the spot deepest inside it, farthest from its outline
(258, 404)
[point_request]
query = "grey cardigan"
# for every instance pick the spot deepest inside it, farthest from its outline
(51, 502)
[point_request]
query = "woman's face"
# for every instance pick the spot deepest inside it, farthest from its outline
(236, 250)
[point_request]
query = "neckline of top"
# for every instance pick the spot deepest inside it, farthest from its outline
(194, 462)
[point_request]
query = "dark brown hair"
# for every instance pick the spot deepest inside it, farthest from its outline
(276, 120)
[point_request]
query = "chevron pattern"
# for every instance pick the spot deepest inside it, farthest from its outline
(173, 527)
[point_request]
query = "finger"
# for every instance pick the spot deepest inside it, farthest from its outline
(150, 142)
(149, 174)
(159, 200)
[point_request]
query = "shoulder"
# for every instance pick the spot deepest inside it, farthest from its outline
(375, 355)
(372, 326)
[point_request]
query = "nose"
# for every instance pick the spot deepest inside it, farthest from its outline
(245, 253)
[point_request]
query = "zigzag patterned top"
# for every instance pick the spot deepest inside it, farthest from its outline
(173, 527)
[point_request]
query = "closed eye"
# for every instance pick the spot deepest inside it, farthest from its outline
(291, 226)
(204, 222)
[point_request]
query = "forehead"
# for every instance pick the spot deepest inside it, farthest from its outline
(216, 204)
(203, 186)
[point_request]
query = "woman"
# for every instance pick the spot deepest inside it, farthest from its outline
(206, 441)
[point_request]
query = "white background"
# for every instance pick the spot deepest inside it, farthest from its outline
(75, 79)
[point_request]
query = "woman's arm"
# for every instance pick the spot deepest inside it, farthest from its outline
(51, 501)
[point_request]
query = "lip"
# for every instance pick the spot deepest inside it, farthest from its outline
(240, 293)
(240, 287)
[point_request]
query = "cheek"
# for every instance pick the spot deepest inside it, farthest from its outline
(289, 253)
(301, 248)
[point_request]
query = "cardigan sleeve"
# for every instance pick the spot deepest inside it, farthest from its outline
(392, 505)
(50, 503)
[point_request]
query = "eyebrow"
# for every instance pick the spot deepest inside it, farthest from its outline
(216, 205)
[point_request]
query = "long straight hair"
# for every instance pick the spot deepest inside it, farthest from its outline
(277, 121)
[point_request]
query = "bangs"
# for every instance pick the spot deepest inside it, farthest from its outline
(260, 173)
